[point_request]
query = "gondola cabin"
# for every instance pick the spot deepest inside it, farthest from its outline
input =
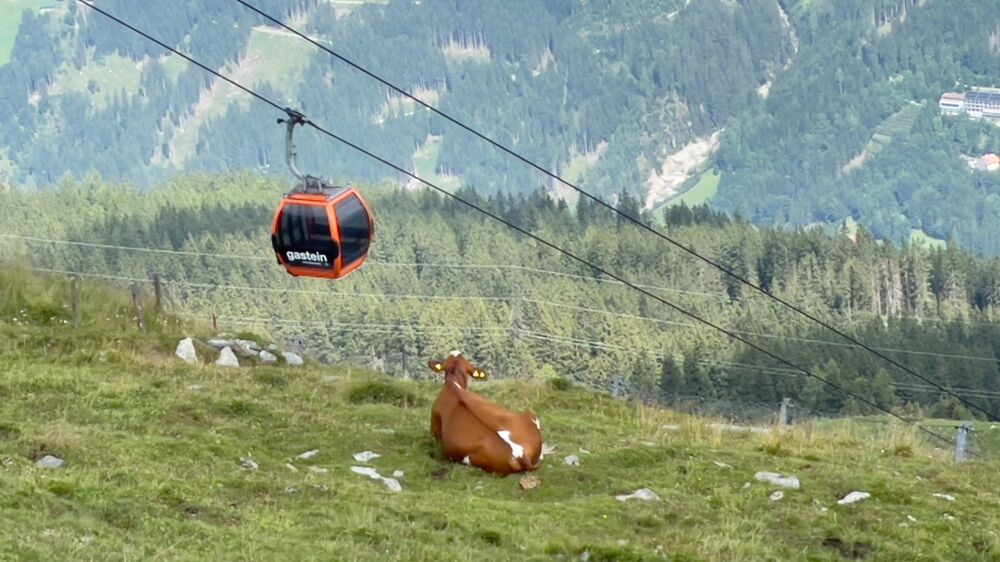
(323, 232)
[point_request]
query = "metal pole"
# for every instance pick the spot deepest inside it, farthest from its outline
(783, 415)
(962, 441)
(158, 291)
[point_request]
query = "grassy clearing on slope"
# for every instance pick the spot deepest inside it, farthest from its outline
(11, 12)
(425, 161)
(100, 79)
(701, 193)
(918, 236)
(153, 468)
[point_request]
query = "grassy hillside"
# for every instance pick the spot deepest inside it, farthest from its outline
(153, 450)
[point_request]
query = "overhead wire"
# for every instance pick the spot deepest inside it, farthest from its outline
(521, 230)
(642, 225)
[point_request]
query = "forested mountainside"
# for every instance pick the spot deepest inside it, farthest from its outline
(791, 112)
(442, 277)
(564, 82)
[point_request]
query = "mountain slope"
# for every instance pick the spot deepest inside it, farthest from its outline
(153, 450)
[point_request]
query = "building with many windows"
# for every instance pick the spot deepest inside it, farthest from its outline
(978, 102)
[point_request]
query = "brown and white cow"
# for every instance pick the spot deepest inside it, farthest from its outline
(477, 432)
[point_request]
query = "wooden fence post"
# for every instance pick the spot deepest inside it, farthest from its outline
(138, 307)
(74, 287)
(158, 291)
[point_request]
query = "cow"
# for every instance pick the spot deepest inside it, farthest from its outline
(476, 432)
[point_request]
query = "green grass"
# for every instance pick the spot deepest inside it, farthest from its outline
(700, 193)
(153, 467)
(425, 161)
(919, 237)
(110, 75)
(11, 12)
(276, 59)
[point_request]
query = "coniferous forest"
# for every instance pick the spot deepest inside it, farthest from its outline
(442, 276)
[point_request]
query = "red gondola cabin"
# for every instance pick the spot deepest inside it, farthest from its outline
(324, 233)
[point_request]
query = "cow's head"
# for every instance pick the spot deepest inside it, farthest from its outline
(458, 367)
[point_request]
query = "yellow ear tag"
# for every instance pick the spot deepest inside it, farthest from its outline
(437, 366)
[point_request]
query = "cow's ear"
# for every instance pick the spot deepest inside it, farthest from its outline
(478, 374)
(436, 366)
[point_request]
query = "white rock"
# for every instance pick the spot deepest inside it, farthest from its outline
(268, 358)
(293, 359)
(670, 427)
(365, 456)
(949, 517)
(777, 496)
(644, 494)
(318, 469)
(945, 497)
(218, 343)
(309, 454)
(397, 474)
(248, 464)
(853, 497)
(366, 471)
(911, 518)
(186, 351)
(722, 464)
(227, 358)
(392, 484)
(572, 460)
(49, 461)
(746, 485)
(291, 467)
(778, 480)
(249, 345)
(195, 387)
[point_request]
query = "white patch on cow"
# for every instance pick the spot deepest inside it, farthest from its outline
(515, 449)
(466, 460)
(455, 353)
(456, 384)
(537, 423)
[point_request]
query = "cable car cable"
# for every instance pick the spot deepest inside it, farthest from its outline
(524, 232)
(990, 415)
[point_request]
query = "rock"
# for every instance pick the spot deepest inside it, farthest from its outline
(86, 539)
(585, 556)
(249, 345)
(291, 467)
(186, 351)
(644, 494)
(248, 464)
(911, 518)
(572, 460)
(723, 465)
(778, 480)
(242, 349)
(746, 485)
(318, 469)
(777, 496)
(218, 343)
(49, 461)
(670, 427)
(366, 471)
(272, 348)
(397, 474)
(390, 483)
(365, 456)
(529, 482)
(227, 358)
(309, 454)
(853, 497)
(268, 358)
(949, 517)
(293, 359)
(196, 387)
(945, 497)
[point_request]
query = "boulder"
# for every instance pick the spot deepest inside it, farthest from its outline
(293, 359)
(268, 358)
(186, 351)
(227, 358)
